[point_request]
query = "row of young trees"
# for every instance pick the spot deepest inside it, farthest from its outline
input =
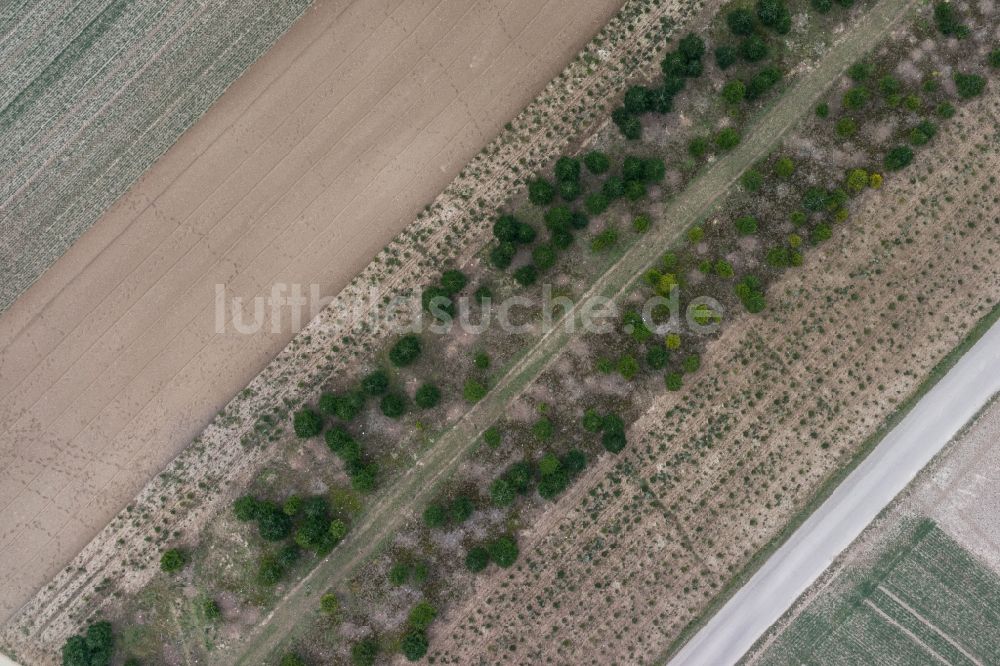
(562, 221)
(686, 62)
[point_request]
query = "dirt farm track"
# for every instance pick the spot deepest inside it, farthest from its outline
(307, 166)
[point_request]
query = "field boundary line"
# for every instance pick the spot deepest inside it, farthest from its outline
(884, 590)
(913, 637)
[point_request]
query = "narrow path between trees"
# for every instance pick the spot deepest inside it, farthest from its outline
(417, 486)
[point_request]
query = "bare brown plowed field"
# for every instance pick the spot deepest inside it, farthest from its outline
(303, 170)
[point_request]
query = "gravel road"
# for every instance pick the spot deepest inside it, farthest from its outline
(789, 572)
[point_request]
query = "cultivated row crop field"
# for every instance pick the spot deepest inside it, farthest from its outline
(92, 93)
(921, 600)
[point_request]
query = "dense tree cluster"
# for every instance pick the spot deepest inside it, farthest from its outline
(746, 225)
(344, 406)
(407, 570)
(947, 21)
(678, 65)
(610, 426)
(211, 610)
(775, 15)
(596, 162)
(898, 157)
(406, 351)
(438, 299)
(557, 472)
(502, 551)
(307, 423)
(753, 48)
(309, 519)
(474, 390)
(329, 604)
(375, 383)
(762, 81)
(969, 85)
(451, 513)
(509, 232)
(514, 481)
(364, 652)
(427, 396)
(95, 648)
(562, 222)
(342, 443)
(741, 22)
(750, 291)
(273, 565)
(727, 138)
(414, 642)
(393, 405)
(552, 474)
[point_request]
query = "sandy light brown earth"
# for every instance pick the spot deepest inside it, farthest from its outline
(311, 162)
(640, 546)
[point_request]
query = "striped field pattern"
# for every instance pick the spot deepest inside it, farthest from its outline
(92, 92)
(925, 601)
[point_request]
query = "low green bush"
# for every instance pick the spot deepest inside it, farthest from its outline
(307, 423)
(406, 351)
(173, 560)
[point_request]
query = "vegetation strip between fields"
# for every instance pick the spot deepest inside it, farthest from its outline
(689, 207)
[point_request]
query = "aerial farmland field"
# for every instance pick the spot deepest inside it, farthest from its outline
(773, 177)
(112, 362)
(93, 93)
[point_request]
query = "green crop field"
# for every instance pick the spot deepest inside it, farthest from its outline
(925, 600)
(92, 93)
